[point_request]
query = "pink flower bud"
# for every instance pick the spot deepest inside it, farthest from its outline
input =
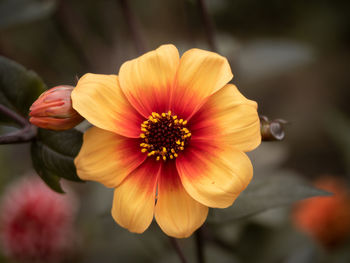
(37, 224)
(53, 110)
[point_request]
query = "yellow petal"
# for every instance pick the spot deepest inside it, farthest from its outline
(146, 81)
(230, 118)
(200, 74)
(214, 175)
(107, 157)
(134, 199)
(177, 213)
(99, 99)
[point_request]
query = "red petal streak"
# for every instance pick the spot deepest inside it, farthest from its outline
(147, 81)
(107, 157)
(134, 199)
(156, 100)
(184, 106)
(200, 74)
(214, 175)
(128, 152)
(228, 118)
(169, 179)
(100, 100)
(177, 213)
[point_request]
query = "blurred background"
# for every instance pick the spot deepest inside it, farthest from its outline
(292, 57)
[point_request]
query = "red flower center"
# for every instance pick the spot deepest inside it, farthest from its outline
(164, 135)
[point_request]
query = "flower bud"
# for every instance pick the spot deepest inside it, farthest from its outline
(53, 110)
(272, 130)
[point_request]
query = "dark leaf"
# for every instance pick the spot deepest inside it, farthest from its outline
(67, 142)
(49, 178)
(19, 87)
(53, 155)
(266, 193)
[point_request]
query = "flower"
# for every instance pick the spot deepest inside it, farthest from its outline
(327, 218)
(170, 137)
(36, 223)
(53, 110)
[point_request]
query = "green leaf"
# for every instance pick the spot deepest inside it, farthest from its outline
(67, 143)
(266, 193)
(49, 178)
(53, 155)
(16, 12)
(19, 88)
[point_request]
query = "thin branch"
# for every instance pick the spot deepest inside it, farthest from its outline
(208, 25)
(212, 237)
(26, 134)
(13, 115)
(221, 243)
(1, 48)
(130, 18)
(63, 27)
(178, 249)
(270, 130)
(199, 236)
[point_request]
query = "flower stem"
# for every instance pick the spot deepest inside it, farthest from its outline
(65, 31)
(270, 130)
(13, 115)
(133, 27)
(178, 250)
(208, 25)
(199, 236)
(26, 134)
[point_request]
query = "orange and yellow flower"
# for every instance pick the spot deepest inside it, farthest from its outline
(169, 136)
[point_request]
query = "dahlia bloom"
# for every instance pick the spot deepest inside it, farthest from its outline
(169, 136)
(326, 218)
(36, 223)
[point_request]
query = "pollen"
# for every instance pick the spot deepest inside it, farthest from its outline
(163, 136)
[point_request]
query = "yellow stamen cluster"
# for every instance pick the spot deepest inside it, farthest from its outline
(164, 136)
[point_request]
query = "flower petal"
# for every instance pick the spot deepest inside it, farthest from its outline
(99, 99)
(200, 74)
(214, 175)
(146, 81)
(177, 213)
(134, 199)
(228, 117)
(107, 157)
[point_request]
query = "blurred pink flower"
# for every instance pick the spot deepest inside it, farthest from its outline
(36, 223)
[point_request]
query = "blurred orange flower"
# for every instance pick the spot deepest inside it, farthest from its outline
(53, 110)
(170, 137)
(326, 219)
